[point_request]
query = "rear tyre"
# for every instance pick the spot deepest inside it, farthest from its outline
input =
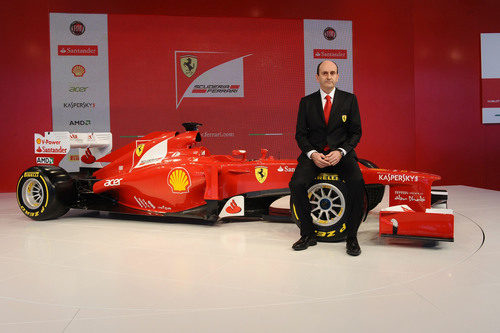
(45, 192)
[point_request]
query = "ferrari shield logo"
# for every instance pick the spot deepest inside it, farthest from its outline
(344, 118)
(189, 65)
(261, 173)
(139, 149)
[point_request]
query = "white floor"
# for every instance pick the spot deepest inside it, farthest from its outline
(87, 272)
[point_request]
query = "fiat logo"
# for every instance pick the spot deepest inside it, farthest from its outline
(329, 33)
(77, 28)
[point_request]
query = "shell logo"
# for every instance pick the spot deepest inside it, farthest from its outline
(179, 180)
(78, 70)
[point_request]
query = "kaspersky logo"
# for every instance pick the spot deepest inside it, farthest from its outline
(206, 74)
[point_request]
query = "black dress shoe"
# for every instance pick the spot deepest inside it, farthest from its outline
(304, 242)
(352, 246)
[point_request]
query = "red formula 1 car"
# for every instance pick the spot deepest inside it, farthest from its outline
(171, 174)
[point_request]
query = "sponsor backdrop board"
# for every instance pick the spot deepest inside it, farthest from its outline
(490, 77)
(79, 76)
(242, 78)
(328, 40)
(79, 72)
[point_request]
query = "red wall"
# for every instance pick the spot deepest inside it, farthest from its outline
(416, 74)
(450, 139)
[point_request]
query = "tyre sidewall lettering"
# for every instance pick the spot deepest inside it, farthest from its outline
(336, 232)
(40, 177)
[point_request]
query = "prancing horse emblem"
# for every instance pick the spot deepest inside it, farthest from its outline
(189, 65)
(139, 149)
(261, 173)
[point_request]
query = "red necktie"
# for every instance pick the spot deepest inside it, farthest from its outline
(328, 107)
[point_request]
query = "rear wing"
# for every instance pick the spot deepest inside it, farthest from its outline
(72, 151)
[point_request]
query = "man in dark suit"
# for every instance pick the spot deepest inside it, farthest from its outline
(328, 130)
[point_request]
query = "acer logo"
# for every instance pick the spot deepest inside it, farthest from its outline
(112, 182)
(78, 89)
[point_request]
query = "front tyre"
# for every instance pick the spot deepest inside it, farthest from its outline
(45, 192)
(374, 192)
(329, 208)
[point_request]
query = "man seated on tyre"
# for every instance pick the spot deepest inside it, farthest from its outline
(328, 130)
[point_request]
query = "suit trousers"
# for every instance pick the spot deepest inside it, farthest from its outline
(348, 170)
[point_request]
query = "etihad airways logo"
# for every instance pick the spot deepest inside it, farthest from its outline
(204, 74)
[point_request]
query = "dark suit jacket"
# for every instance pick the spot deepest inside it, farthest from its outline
(344, 125)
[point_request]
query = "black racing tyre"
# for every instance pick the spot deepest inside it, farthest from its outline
(330, 208)
(374, 192)
(45, 192)
(368, 164)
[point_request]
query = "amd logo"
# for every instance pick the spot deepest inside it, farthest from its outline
(79, 122)
(45, 160)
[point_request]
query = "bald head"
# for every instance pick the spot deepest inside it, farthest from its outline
(321, 63)
(327, 75)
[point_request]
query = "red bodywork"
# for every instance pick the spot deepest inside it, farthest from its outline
(405, 187)
(218, 177)
(184, 176)
(168, 173)
(432, 224)
(415, 218)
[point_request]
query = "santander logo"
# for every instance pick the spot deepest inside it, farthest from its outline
(77, 50)
(233, 208)
(88, 158)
